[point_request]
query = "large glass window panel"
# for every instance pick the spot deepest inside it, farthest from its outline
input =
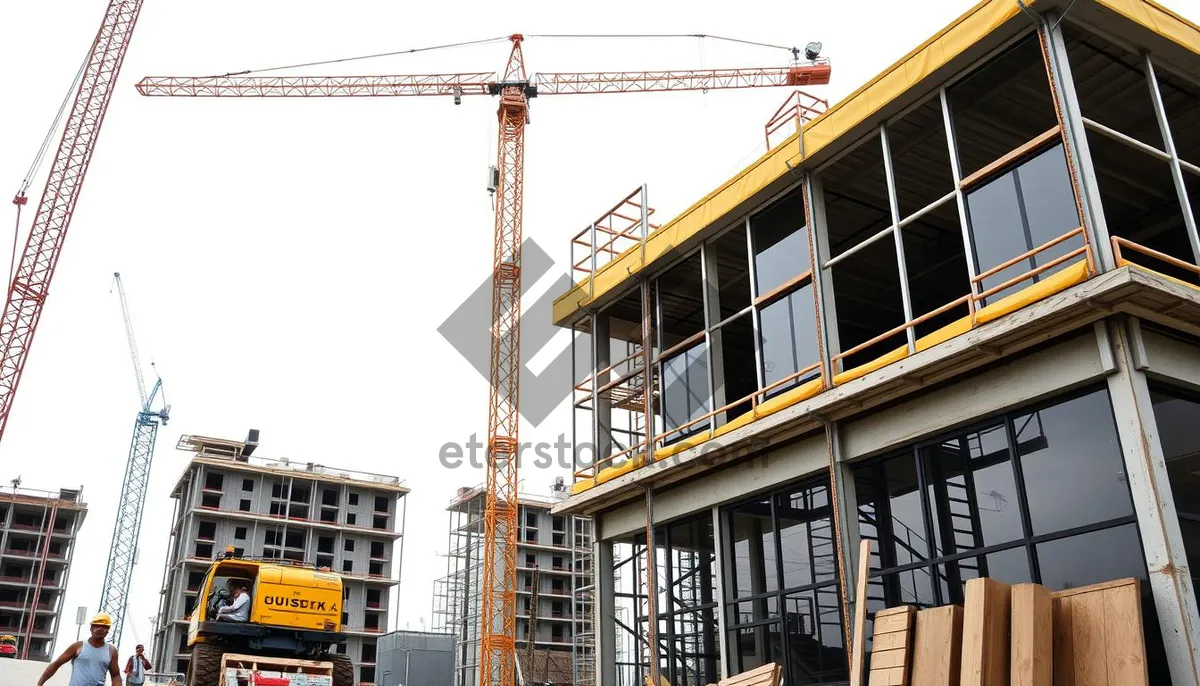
(752, 539)
(1007, 566)
(806, 537)
(890, 509)
(1111, 85)
(1091, 558)
(788, 332)
(1001, 106)
(1072, 465)
(1020, 210)
(909, 587)
(780, 242)
(685, 390)
(732, 272)
(755, 646)
(1177, 416)
(813, 624)
(972, 491)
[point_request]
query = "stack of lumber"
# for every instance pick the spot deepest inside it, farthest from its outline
(1023, 635)
(766, 675)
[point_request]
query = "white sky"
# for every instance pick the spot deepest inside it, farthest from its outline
(289, 261)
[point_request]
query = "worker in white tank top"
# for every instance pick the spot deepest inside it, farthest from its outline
(90, 660)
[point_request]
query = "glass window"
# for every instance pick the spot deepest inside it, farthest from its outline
(685, 390)
(890, 510)
(1177, 416)
(1091, 558)
(680, 300)
(1073, 469)
(793, 619)
(971, 483)
(780, 243)
(753, 537)
(1008, 566)
(1020, 210)
(788, 335)
(737, 377)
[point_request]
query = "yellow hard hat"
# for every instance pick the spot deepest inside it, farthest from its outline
(102, 619)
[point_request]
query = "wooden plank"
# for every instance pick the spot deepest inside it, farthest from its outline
(890, 666)
(859, 640)
(937, 648)
(1032, 662)
(1087, 639)
(985, 634)
(1063, 626)
(759, 676)
(898, 639)
(896, 676)
(1124, 644)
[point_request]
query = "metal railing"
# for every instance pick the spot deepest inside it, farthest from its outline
(624, 226)
(1118, 243)
(799, 107)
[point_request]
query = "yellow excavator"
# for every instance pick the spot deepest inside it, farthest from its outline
(294, 618)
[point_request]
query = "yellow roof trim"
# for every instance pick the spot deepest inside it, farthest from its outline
(851, 111)
(1158, 19)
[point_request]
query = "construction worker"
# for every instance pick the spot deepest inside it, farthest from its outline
(90, 660)
(136, 667)
(238, 609)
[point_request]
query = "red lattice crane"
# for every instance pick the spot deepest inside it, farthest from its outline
(31, 283)
(514, 88)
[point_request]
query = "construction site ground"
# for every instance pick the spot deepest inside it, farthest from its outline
(27, 673)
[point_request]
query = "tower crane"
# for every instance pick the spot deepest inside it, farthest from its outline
(515, 88)
(29, 286)
(123, 553)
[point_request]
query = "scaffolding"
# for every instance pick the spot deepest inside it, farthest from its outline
(583, 635)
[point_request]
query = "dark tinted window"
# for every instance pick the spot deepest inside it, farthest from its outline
(1072, 463)
(685, 389)
(1091, 558)
(1178, 416)
(788, 329)
(806, 536)
(732, 272)
(1021, 210)
(971, 482)
(780, 243)
(754, 556)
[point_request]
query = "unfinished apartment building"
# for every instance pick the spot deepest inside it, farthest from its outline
(37, 541)
(349, 521)
(553, 567)
(957, 315)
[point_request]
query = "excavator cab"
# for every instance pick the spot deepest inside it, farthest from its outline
(8, 646)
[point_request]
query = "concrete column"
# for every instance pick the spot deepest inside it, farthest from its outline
(712, 316)
(604, 611)
(1081, 156)
(1146, 470)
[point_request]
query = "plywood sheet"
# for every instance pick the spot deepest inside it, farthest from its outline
(1031, 663)
(890, 653)
(858, 641)
(985, 638)
(937, 646)
(1097, 635)
(766, 675)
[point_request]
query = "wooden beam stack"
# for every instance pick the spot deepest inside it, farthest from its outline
(1023, 635)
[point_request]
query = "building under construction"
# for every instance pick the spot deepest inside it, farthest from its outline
(553, 587)
(37, 542)
(957, 315)
(348, 521)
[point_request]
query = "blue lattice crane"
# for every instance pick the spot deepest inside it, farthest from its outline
(122, 555)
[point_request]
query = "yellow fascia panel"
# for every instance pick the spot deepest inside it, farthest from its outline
(1059, 281)
(1158, 19)
(910, 70)
(804, 391)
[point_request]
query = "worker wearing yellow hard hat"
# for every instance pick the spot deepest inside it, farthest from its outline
(91, 660)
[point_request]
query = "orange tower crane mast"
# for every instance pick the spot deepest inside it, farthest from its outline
(514, 88)
(31, 283)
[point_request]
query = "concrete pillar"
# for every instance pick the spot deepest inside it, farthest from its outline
(1158, 523)
(604, 611)
(720, 545)
(712, 316)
